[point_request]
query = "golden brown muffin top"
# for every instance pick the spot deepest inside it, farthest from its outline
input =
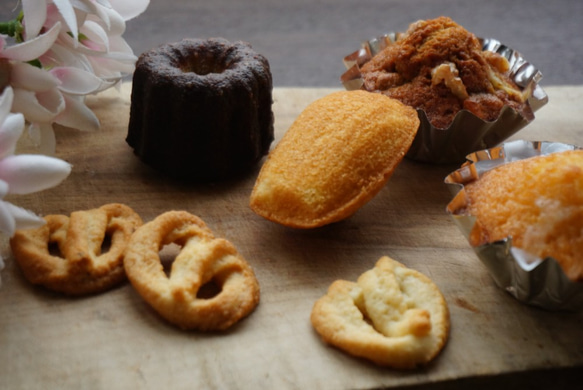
(438, 66)
(538, 202)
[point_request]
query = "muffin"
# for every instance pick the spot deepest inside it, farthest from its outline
(455, 80)
(528, 198)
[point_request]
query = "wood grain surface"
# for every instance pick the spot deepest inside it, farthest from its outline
(115, 341)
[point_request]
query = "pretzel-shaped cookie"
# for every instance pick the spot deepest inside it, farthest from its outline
(81, 266)
(393, 316)
(202, 259)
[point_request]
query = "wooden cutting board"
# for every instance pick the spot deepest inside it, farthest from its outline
(115, 341)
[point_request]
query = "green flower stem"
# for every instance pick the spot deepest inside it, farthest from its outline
(13, 28)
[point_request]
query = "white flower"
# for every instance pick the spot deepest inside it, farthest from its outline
(63, 51)
(36, 12)
(69, 49)
(91, 37)
(48, 96)
(22, 174)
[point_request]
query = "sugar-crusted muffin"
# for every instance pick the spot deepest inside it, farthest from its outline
(538, 202)
(440, 67)
(336, 156)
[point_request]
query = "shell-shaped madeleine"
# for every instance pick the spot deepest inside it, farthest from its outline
(336, 156)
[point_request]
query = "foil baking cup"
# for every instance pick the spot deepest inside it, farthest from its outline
(531, 280)
(467, 133)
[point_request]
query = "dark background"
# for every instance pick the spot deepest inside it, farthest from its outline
(305, 40)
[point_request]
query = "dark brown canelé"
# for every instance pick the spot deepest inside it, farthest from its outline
(201, 109)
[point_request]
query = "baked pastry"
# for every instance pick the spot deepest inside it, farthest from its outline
(203, 260)
(80, 254)
(537, 202)
(336, 156)
(439, 67)
(201, 109)
(393, 316)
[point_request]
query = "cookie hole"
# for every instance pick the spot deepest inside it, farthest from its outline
(105, 244)
(209, 290)
(167, 255)
(54, 249)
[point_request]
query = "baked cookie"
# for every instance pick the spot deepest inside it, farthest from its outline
(393, 316)
(203, 259)
(336, 156)
(80, 254)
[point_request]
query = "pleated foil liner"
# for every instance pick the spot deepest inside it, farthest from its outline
(467, 133)
(531, 280)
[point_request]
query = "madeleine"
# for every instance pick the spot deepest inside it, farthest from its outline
(336, 156)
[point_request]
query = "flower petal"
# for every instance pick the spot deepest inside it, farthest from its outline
(117, 24)
(38, 106)
(97, 38)
(6, 102)
(95, 8)
(7, 222)
(10, 132)
(60, 54)
(3, 189)
(68, 13)
(35, 15)
(77, 115)
(87, 48)
(34, 48)
(30, 77)
(43, 137)
(13, 217)
(129, 9)
(111, 69)
(82, 5)
(28, 173)
(119, 45)
(25, 219)
(76, 81)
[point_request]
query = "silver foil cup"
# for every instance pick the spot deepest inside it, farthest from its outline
(467, 133)
(531, 280)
